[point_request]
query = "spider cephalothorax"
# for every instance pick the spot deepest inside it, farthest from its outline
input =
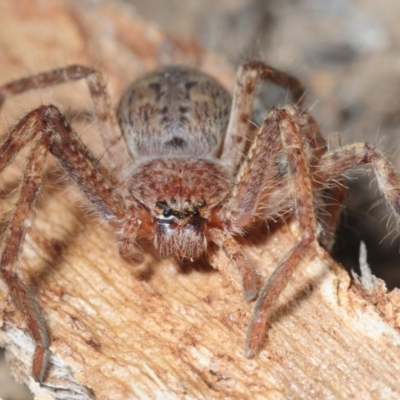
(190, 173)
(181, 195)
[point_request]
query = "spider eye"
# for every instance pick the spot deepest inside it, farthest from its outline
(201, 204)
(167, 213)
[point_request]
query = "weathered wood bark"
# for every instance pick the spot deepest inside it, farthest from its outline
(171, 333)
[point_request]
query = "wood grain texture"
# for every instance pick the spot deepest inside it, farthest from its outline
(119, 333)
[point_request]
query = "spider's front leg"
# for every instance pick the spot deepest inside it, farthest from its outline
(20, 294)
(278, 132)
(52, 133)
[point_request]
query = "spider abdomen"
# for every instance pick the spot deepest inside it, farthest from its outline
(175, 111)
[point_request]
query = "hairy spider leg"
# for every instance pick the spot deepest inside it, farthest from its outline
(57, 136)
(102, 107)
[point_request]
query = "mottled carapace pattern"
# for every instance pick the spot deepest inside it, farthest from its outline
(196, 174)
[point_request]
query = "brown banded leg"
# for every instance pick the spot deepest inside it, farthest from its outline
(72, 154)
(302, 191)
(235, 253)
(334, 164)
(20, 294)
(55, 135)
(330, 198)
(329, 213)
(103, 110)
(279, 131)
(248, 76)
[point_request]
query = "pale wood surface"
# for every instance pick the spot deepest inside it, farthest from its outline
(172, 333)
